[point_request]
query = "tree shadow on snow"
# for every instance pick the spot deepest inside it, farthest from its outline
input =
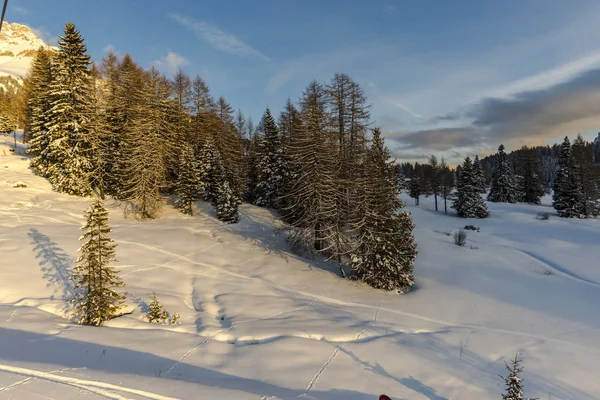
(56, 264)
(145, 367)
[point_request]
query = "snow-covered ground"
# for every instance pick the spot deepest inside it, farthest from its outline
(258, 322)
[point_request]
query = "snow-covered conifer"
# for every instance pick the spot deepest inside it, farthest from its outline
(513, 382)
(530, 187)
(566, 198)
(271, 166)
(478, 171)
(69, 131)
(156, 313)
(96, 301)
(468, 202)
(385, 251)
(227, 204)
(587, 177)
(189, 184)
(503, 188)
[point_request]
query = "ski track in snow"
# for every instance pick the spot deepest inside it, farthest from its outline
(553, 266)
(330, 300)
(335, 352)
(102, 388)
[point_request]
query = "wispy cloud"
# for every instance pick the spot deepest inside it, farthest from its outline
(171, 62)
(109, 49)
(219, 39)
(20, 10)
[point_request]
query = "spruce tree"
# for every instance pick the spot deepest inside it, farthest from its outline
(189, 185)
(513, 382)
(468, 202)
(530, 190)
(71, 94)
(434, 178)
(96, 301)
(156, 313)
(478, 171)
(271, 166)
(226, 204)
(503, 188)
(385, 252)
(587, 178)
(566, 198)
(37, 110)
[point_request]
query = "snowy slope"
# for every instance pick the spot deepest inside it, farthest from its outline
(18, 44)
(260, 323)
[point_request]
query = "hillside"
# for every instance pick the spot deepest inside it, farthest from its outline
(258, 322)
(18, 44)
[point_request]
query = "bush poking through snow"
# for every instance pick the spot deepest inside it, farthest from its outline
(157, 314)
(460, 237)
(471, 228)
(19, 185)
(543, 216)
(174, 319)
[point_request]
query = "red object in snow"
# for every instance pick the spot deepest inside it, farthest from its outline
(384, 397)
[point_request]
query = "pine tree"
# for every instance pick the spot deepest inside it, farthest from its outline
(587, 178)
(271, 166)
(478, 171)
(530, 189)
(71, 94)
(385, 252)
(513, 382)
(227, 204)
(503, 188)
(566, 198)
(212, 172)
(96, 300)
(189, 185)
(468, 202)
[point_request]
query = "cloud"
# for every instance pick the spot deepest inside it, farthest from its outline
(171, 62)
(20, 10)
(109, 49)
(438, 139)
(218, 38)
(565, 108)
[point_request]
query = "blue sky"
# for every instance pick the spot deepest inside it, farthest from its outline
(452, 78)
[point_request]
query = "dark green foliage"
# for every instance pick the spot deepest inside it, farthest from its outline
(513, 382)
(566, 199)
(96, 301)
(530, 188)
(386, 251)
(156, 314)
(503, 188)
(468, 202)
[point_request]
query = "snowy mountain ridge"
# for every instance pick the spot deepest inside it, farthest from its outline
(18, 44)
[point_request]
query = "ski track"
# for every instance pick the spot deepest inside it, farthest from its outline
(557, 268)
(447, 324)
(102, 388)
(335, 352)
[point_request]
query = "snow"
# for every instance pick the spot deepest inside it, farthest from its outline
(258, 322)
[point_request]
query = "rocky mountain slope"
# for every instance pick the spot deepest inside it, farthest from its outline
(18, 44)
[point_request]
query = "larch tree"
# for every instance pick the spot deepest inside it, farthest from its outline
(385, 252)
(147, 149)
(503, 188)
(96, 299)
(447, 183)
(468, 202)
(311, 202)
